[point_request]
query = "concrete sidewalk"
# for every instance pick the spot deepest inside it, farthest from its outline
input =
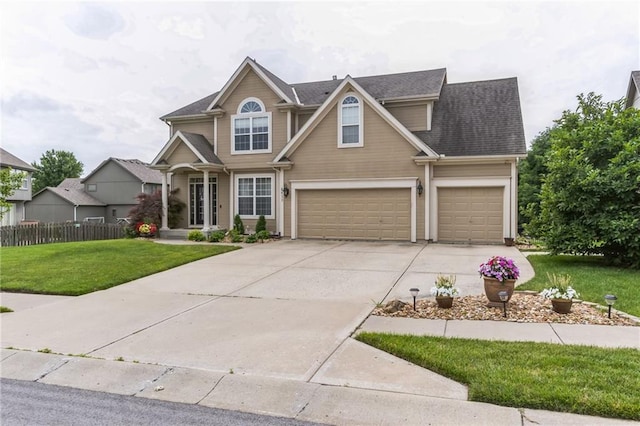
(569, 334)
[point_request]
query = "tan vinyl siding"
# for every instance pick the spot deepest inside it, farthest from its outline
(250, 85)
(182, 154)
(385, 153)
(471, 170)
(412, 117)
(302, 119)
(203, 127)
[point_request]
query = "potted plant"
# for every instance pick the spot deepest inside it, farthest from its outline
(499, 274)
(444, 290)
(560, 292)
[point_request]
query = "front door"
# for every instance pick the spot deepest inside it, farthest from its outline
(196, 201)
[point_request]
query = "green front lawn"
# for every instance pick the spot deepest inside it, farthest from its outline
(78, 268)
(592, 279)
(575, 379)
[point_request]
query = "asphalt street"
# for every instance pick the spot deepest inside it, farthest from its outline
(31, 403)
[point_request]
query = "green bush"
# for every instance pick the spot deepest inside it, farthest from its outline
(261, 224)
(251, 239)
(196, 235)
(217, 236)
(263, 235)
(236, 237)
(238, 226)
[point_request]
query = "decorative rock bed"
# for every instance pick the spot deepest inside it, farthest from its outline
(523, 307)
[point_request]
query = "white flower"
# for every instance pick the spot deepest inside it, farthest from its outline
(559, 293)
(444, 291)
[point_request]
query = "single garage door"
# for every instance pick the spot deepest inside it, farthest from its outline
(370, 214)
(470, 215)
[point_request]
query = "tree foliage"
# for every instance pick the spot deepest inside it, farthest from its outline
(9, 182)
(590, 199)
(532, 171)
(55, 166)
(149, 209)
(238, 225)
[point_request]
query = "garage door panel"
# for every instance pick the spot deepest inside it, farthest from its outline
(371, 214)
(470, 215)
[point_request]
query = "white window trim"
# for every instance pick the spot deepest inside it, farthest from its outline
(273, 194)
(25, 183)
(263, 113)
(360, 143)
(92, 185)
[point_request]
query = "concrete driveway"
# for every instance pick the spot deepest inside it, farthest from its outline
(277, 310)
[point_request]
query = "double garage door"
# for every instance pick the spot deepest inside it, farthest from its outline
(473, 215)
(369, 214)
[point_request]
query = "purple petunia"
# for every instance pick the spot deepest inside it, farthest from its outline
(500, 268)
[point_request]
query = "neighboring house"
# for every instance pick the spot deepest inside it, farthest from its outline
(633, 92)
(118, 182)
(107, 194)
(65, 202)
(15, 214)
(391, 157)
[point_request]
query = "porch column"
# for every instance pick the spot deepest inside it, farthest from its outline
(207, 201)
(165, 203)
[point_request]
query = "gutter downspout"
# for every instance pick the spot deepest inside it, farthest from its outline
(75, 212)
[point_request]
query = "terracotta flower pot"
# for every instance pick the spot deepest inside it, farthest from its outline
(444, 302)
(492, 287)
(561, 306)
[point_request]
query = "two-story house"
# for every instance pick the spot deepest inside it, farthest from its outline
(16, 213)
(107, 194)
(391, 157)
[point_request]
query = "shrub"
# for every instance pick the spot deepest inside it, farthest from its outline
(251, 239)
(261, 224)
(149, 209)
(238, 226)
(196, 235)
(236, 237)
(217, 236)
(263, 235)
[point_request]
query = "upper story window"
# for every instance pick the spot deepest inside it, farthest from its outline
(251, 128)
(350, 122)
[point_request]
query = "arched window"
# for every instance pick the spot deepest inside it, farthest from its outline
(251, 128)
(350, 127)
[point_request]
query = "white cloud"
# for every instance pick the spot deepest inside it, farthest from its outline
(117, 67)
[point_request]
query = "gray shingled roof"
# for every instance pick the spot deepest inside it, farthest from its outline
(9, 160)
(203, 146)
(137, 168)
(286, 88)
(193, 108)
(418, 83)
(478, 118)
(72, 190)
(140, 170)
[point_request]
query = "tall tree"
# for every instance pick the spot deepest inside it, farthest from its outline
(9, 182)
(55, 166)
(590, 199)
(531, 172)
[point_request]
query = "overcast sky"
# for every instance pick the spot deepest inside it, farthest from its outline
(93, 78)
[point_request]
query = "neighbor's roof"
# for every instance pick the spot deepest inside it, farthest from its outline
(72, 190)
(9, 160)
(478, 118)
(388, 86)
(137, 168)
(634, 87)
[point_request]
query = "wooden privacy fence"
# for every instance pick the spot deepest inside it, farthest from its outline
(44, 233)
